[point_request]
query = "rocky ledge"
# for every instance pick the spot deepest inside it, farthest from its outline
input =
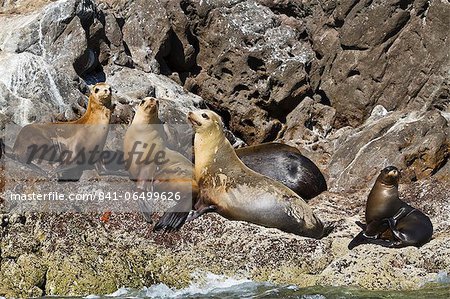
(77, 254)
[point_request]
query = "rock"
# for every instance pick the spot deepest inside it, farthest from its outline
(243, 73)
(362, 50)
(77, 254)
(416, 142)
(24, 277)
(146, 32)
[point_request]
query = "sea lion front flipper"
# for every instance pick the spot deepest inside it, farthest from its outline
(171, 221)
(358, 240)
(363, 239)
(376, 228)
(361, 225)
(197, 213)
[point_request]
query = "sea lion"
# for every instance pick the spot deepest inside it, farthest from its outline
(278, 161)
(63, 142)
(285, 164)
(145, 135)
(236, 192)
(390, 222)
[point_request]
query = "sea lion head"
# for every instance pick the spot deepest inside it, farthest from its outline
(205, 121)
(102, 92)
(148, 109)
(389, 176)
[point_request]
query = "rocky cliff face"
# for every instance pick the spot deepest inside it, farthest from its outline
(356, 85)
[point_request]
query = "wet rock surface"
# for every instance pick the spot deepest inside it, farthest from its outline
(355, 85)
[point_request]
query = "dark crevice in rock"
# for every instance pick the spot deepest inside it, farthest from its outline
(239, 87)
(273, 133)
(400, 25)
(405, 4)
(350, 8)
(354, 47)
(290, 9)
(422, 11)
(121, 22)
(352, 73)
(256, 64)
(126, 49)
(324, 100)
(303, 35)
(338, 23)
(43, 285)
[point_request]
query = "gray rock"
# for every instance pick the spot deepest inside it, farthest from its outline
(415, 142)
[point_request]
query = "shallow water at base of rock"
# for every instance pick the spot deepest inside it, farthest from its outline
(249, 289)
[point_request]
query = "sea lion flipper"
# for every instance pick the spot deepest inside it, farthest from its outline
(358, 240)
(171, 221)
(361, 238)
(197, 213)
(376, 227)
(146, 210)
(361, 225)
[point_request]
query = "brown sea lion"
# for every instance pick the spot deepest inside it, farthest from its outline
(278, 161)
(390, 222)
(285, 164)
(145, 138)
(236, 192)
(68, 142)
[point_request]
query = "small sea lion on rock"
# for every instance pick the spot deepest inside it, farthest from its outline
(145, 138)
(236, 192)
(285, 164)
(68, 142)
(390, 222)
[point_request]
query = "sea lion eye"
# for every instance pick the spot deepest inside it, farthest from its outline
(205, 116)
(142, 102)
(96, 90)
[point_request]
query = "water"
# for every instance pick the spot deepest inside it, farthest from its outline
(220, 287)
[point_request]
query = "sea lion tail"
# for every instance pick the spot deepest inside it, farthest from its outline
(171, 221)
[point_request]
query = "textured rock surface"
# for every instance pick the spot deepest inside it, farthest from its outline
(77, 254)
(355, 85)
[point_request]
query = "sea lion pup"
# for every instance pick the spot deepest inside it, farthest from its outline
(236, 192)
(65, 142)
(145, 137)
(390, 222)
(285, 164)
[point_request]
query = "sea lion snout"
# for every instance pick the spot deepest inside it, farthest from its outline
(205, 119)
(390, 175)
(149, 104)
(103, 92)
(192, 118)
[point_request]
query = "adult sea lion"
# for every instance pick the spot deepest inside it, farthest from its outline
(145, 138)
(68, 142)
(278, 161)
(390, 222)
(236, 192)
(285, 164)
